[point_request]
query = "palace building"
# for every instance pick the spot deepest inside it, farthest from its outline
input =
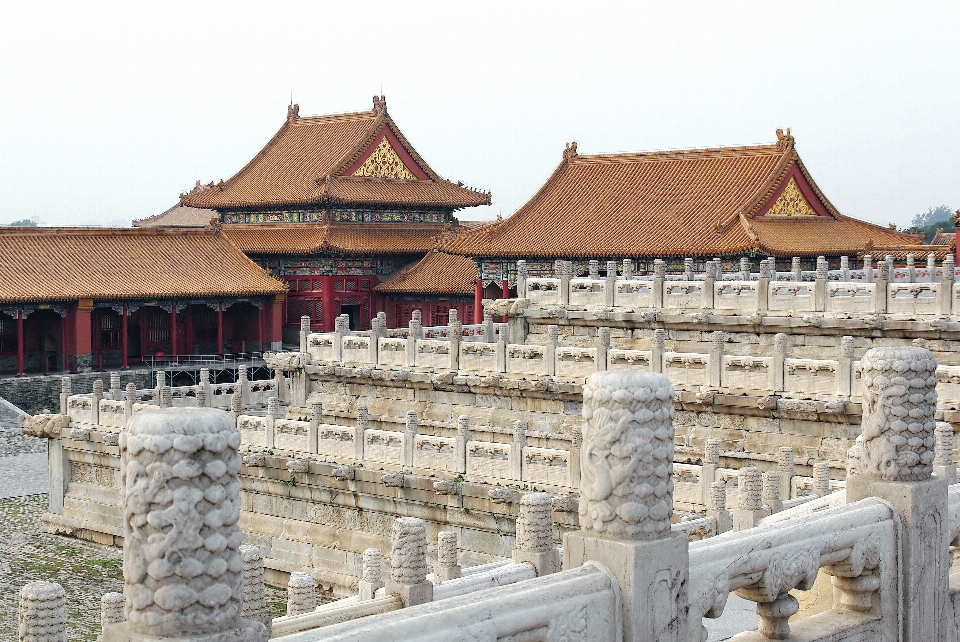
(728, 202)
(79, 298)
(334, 206)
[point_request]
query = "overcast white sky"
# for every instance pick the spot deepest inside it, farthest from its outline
(108, 110)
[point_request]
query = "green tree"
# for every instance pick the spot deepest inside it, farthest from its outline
(927, 223)
(24, 222)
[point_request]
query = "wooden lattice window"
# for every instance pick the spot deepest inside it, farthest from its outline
(109, 331)
(8, 335)
(159, 327)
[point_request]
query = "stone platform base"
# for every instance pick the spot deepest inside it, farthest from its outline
(247, 631)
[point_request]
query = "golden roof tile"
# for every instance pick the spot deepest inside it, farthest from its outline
(435, 273)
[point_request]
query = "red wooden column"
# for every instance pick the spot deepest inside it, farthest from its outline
(173, 329)
(124, 357)
(261, 322)
(326, 316)
(478, 302)
(276, 323)
(20, 366)
(505, 288)
(220, 330)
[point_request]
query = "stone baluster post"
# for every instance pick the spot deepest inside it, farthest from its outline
(593, 269)
(943, 465)
(946, 286)
(488, 331)
(768, 273)
(821, 478)
(66, 389)
(463, 436)
(448, 567)
(414, 334)
(516, 450)
(845, 367)
(603, 348)
(717, 507)
(128, 398)
(373, 348)
(521, 282)
(657, 348)
(243, 382)
(708, 472)
(43, 613)
(304, 332)
(610, 285)
(456, 334)
(932, 267)
(749, 499)
(576, 443)
(795, 268)
(688, 269)
(360, 433)
(313, 430)
(715, 374)
(710, 277)
(410, 439)
(868, 268)
(535, 534)
(116, 388)
(205, 384)
(820, 287)
(201, 397)
(502, 349)
(371, 573)
(565, 270)
(166, 397)
(624, 521)
(236, 407)
(777, 360)
(911, 268)
(787, 469)
(190, 586)
(890, 273)
(845, 268)
(273, 413)
(161, 381)
(408, 562)
(550, 351)
(341, 328)
(744, 268)
(627, 269)
(111, 611)
(254, 592)
(899, 402)
(881, 291)
(770, 491)
(659, 277)
(301, 594)
(95, 396)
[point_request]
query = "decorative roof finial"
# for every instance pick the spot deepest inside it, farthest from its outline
(570, 151)
(956, 217)
(379, 105)
(293, 113)
(215, 225)
(784, 141)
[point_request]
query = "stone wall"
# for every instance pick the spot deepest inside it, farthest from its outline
(35, 394)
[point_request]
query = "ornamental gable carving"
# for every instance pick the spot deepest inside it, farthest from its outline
(384, 163)
(791, 203)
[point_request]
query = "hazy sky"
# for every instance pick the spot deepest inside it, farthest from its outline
(109, 110)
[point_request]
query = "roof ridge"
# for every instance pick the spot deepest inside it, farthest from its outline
(676, 154)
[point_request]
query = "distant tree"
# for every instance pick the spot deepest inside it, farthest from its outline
(931, 216)
(24, 222)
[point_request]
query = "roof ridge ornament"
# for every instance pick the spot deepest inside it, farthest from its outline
(784, 141)
(293, 113)
(570, 151)
(380, 105)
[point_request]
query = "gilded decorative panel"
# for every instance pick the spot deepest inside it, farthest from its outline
(791, 203)
(384, 163)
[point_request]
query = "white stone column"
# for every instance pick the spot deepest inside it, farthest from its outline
(521, 282)
(447, 568)
(946, 285)
(627, 269)
(845, 268)
(911, 268)
(273, 413)
(821, 478)
(128, 397)
(777, 359)
(564, 272)
(313, 430)
(535, 534)
(243, 384)
(254, 592)
(868, 268)
(550, 351)
(768, 273)
(744, 268)
(709, 278)
(409, 439)
(236, 407)
(943, 465)
(603, 348)
(111, 610)
(456, 334)
(688, 269)
(576, 443)
(116, 389)
(463, 436)
(371, 573)
(717, 507)
(931, 267)
(610, 285)
(845, 367)
(786, 468)
(201, 397)
(659, 277)
(881, 290)
(657, 348)
(899, 402)
(95, 396)
(414, 334)
(516, 449)
(795, 268)
(502, 350)
(820, 286)
(360, 432)
(708, 468)
(626, 500)
(749, 499)
(66, 389)
(408, 562)
(187, 587)
(166, 397)
(341, 328)
(770, 491)
(301, 594)
(489, 335)
(304, 331)
(205, 384)
(715, 374)
(43, 613)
